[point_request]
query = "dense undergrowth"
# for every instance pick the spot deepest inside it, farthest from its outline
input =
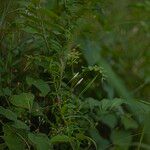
(74, 74)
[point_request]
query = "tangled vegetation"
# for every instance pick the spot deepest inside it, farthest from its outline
(74, 74)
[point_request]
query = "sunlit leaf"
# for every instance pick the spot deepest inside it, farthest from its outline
(60, 138)
(24, 100)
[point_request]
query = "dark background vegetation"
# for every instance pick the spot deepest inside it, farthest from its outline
(74, 74)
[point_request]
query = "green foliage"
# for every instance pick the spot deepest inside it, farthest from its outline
(60, 138)
(39, 84)
(24, 100)
(40, 141)
(8, 114)
(74, 74)
(14, 140)
(121, 138)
